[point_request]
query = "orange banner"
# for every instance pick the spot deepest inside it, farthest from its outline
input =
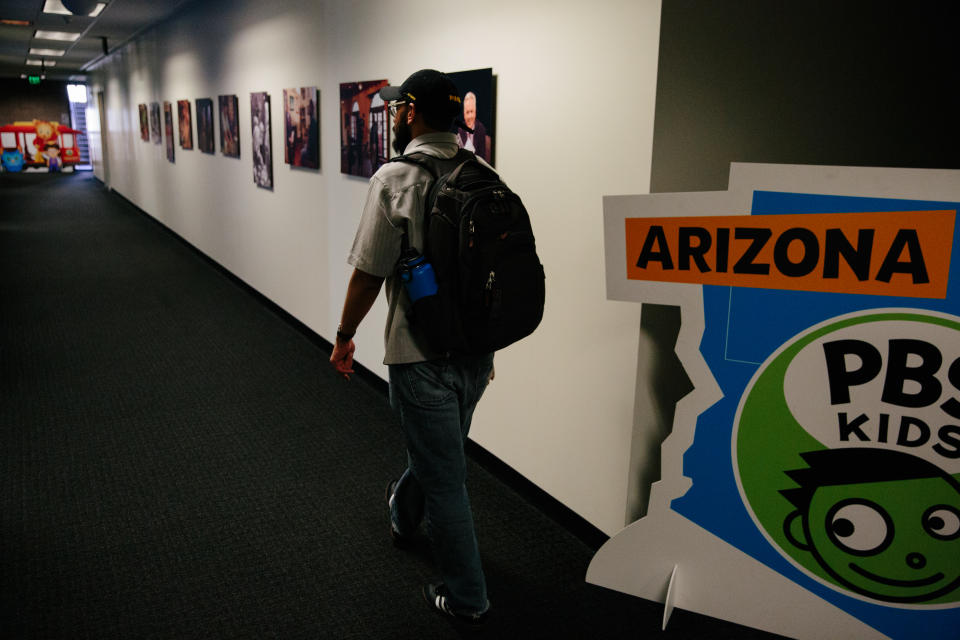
(902, 253)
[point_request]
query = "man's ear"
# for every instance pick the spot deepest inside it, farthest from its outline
(793, 529)
(411, 112)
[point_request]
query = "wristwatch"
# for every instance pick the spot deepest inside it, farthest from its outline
(343, 335)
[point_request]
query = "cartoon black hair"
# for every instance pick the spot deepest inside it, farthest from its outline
(854, 466)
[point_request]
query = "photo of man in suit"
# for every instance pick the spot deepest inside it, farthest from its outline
(476, 139)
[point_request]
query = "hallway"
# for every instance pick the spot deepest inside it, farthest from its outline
(178, 461)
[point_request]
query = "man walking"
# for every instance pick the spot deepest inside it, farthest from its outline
(433, 393)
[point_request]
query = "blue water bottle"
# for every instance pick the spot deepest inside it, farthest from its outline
(417, 275)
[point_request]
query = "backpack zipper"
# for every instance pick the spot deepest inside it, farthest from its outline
(489, 295)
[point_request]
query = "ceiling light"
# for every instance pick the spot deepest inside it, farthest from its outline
(46, 52)
(63, 36)
(15, 23)
(55, 6)
(41, 63)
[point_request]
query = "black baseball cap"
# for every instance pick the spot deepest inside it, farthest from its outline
(432, 91)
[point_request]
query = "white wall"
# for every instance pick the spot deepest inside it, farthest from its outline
(576, 86)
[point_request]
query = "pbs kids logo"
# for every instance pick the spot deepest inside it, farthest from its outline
(846, 448)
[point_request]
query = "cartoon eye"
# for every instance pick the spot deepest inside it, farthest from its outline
(942, 522)
(859, 527)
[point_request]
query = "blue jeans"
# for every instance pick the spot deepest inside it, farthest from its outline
(435, 401)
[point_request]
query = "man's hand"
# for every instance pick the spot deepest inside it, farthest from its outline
(342, 357)
(362, 291)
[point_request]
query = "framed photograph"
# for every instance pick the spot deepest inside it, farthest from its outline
(205, 125)
(155, 122)
(168, 128)
(186, 128)
(301, 127)
(144, 123)
(229, 127)
(262, 144)
(364, 128)
(477, 92)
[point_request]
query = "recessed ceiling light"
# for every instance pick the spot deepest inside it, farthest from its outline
(41, 63)
(55, 6)
(63, 36)
(47, 52)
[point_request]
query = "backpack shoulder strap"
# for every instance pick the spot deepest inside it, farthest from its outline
(436, 167)
(421, 160)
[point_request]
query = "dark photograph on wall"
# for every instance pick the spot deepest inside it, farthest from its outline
(301, 127)
(364, 128)
(262, 149)
(229, 127)
(168, 128)
(205, 125)
(476, 91)
(186, 127)
(144, 123)
(155, 122)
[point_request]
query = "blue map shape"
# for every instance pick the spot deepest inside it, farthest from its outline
(742, 328)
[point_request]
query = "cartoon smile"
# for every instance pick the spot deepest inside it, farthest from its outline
(890, 538)
(923, 582)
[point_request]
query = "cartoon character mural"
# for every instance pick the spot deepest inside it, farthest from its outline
(40, 143)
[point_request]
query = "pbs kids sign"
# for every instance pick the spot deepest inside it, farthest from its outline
(852, 477)
(821, 331)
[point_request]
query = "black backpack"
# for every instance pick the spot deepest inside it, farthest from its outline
(478, 238)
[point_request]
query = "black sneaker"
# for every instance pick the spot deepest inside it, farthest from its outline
(400, 541)
(436, 596)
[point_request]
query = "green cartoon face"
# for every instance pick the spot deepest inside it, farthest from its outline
(880, 540)
(847, 456)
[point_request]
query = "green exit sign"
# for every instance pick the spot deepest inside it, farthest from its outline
(33, 79)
